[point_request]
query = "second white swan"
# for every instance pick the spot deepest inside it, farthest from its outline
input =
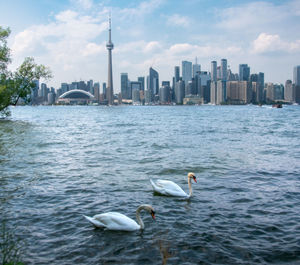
(169, 188)
(118, 221)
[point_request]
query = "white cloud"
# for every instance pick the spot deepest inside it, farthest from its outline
(85, 4)
(141, 10)
(152, 47)
(178, 20)
(266, 43)
(250, 17)
(93, 49)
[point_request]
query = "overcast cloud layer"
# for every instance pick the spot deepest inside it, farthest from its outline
(160, 33)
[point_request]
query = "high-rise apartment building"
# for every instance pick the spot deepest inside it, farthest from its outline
(196, 69)
(213, 92)
(296, 79)
(179, 92)
(223, 69)
(289, 91)
(221, 92)
(176, 73)
(141, 79)
(153, 83)
(238, 92)
(213, 71)
(244, 72)
(218, 72)
(124, 86)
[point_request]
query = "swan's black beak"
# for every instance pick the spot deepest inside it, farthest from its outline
(153, 215)
(194, 178)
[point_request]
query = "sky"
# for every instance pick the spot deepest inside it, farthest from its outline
(70, 36)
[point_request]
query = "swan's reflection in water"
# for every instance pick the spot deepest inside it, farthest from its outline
(164, 247)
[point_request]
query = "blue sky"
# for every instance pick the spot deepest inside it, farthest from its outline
(70, 36)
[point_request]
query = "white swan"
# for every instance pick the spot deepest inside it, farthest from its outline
(169, 188)
(118, 221)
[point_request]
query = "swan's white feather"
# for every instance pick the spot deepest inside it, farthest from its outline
(167, 187)
(114, 221)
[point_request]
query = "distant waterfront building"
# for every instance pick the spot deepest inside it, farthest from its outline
(289, 91)
(296, 79)
(135, 88)
(90, 86)
(51, 98)
(270, 92)
(189, 88)
(196, 69)
(186, 71)
(179, 92)
(221, 92)
(223, 69)
(213, 92)
(177, 73)
(141, 79)
(153, 83)
(164, 94)
(64, 87)
(238, 92)
(231, 76)
(261, 86)
(213, 71)
(255, 92)
(104, 90)
(82, 86)
(204, 92)
(35, 92)
(44, 92)
(218, 72)
(124, 86)
(96, 89)
(244, 72)
(278, 92)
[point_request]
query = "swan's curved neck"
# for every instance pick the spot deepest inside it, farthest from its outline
(190, 187)
(138, 217)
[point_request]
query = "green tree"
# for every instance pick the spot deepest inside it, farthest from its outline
(18, 84)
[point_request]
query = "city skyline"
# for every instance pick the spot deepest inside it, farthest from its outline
(70, 36)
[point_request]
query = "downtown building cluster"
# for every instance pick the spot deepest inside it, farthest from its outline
(189, 85)
(219, 86)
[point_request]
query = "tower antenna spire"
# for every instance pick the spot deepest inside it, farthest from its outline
(110, 46)
(109, 19)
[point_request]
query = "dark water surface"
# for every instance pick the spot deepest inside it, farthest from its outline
(57, 163)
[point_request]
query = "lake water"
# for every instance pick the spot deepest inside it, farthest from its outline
(58, 163)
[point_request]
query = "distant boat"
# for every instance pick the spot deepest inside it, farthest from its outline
(277, 105)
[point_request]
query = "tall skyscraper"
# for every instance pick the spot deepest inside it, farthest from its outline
(179, 92)
(124, 86)
(261, 86)
(186, 71)
(223, 69)
(141, 79)
(153, 83)
(196, 68)
(244, 72)
(104, 90)
(289, 91)
(177, 73)
(110, 89)
(213, 71)
(296, 79)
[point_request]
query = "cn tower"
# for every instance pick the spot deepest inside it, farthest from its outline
(110, 88)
